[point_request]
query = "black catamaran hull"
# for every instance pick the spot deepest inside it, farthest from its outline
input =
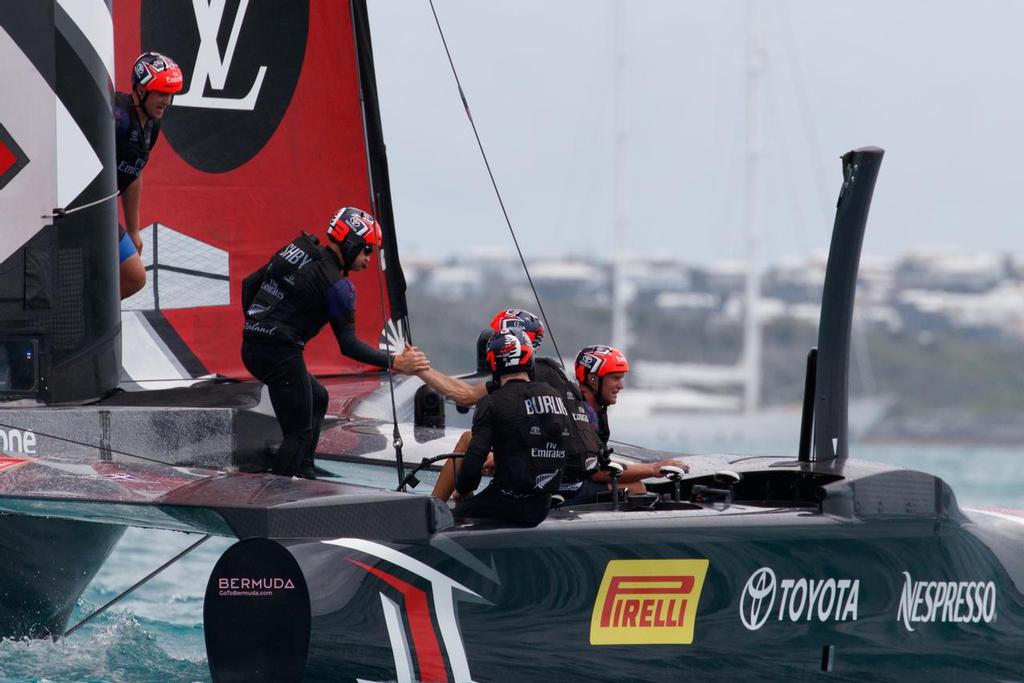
(829, 565)
(47, 563)
(799, 568)
(606, 596)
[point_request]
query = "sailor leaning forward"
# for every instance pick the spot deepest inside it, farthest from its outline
(286, 303)
(137, 116)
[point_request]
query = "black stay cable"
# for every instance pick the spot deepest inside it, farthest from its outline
(396, 435)
(99, 447)
(60, 213)
(138, 583)
(494, 184)
(375, 200)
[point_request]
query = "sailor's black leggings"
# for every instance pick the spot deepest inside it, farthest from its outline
(491, 503)
(299, 400)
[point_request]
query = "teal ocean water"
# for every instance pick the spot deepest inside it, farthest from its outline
(157, 635)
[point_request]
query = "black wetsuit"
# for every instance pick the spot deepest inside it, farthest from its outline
(286, 303)
(584, 489)
(132, 141)
(585, 439)
(525, 424)
(132, 144)
(599, 421)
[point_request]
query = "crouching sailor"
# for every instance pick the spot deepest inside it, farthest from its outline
(526, 424)
(286, 303)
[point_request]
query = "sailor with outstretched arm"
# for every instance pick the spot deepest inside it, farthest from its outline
(287, 302)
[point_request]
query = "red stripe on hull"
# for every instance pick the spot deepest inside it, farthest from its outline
(428, 651)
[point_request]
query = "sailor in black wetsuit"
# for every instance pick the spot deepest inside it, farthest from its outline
(600, 371)
(286, 303)
(155, 79)
(525, 423)
(582, 443)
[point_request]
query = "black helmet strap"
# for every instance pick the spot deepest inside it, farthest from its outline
(598, 392)
(142, 97)
(349, 247)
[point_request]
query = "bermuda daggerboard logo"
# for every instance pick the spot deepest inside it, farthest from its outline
(647, 602)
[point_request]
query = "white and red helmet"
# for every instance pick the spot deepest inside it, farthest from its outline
(599, 361)
(517, 318)
(354, 230)
(509, 350)
(157, 73)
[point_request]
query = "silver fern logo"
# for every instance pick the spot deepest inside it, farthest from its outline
(392, 338)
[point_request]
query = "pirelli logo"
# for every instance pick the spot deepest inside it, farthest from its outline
(647, 602)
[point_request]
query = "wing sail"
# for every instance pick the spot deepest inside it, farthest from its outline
(277, 127)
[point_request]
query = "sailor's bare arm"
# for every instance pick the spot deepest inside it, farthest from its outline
(463, 393)
(636, 471)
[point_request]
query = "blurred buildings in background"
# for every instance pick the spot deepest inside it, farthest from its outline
(973, 295)
(938, 335)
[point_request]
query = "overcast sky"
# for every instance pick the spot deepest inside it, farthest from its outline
(937, 84)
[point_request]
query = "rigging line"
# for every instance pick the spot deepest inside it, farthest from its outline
(87, 445)
(788, 185)
(861, 358)
(626, 443)
(375, 201)
(128, 592)
(189, 271)
(793, 58)
(59, 213)
(465, 105)
(396, 435)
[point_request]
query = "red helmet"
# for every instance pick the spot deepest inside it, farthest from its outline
(353, 230)
(157, 72)
(509, 351)
(600, 361)
(518, 319)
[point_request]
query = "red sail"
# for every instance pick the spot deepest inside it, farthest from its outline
(268, 138)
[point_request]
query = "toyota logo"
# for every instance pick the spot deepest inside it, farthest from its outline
(758, 598)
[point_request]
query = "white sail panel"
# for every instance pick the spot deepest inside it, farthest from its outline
(28, 186)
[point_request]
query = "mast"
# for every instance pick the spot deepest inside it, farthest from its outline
(620, 294)
(377, 171)
(751, 359)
